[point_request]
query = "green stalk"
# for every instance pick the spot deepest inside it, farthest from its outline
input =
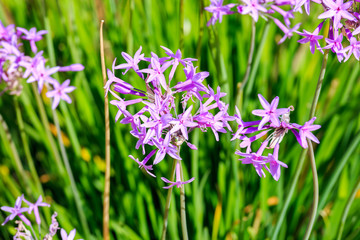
(316, 191)
(71, 178)
(303, 154)
(339, 167)
(347, 208)
(45, 121)
(249, 64)
(18, 164)
(106, 204)
(201, 32)
(181, 27)
(25, 144)
(182, 205)
(167, 204)
(256, 61)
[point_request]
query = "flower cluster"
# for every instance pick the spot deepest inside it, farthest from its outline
(33, 208)
(159, 123)
(344, 21)
(15, 65)
(277, 121)
(267, 9)
(343, 16)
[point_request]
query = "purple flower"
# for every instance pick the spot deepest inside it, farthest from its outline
(77, 67)
(288, 32)
(337, 10)
(142, 164)
(178, 182)
(60, 92)
(156, 72)
(132, 63)
(253, 7)
(35, 207)
(313, 38)
(270, 113)
(353, 48)
(17, 210)
(256, 159)
(335, 44)
(275, 163)
(305, 132)
(71, 235)
(176, 59)
(32, 36)
(165, 147)
(183, 122)
(218, 10)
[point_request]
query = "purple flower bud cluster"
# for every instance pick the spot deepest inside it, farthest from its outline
(335, 12)
(33, 208)
(277, 121)
(159, 123)
(15, 65)
(267, 9)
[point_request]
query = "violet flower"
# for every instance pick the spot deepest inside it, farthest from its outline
(60, 92)
(17, 210)
(34, 207)
(178, 182)
(277, 123)
(270, 112)
(159, 124)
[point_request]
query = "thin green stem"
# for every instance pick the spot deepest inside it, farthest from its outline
(347, 208)
(181, 27)
(316, 191)
(45, 121)
(303, 154)
(201, 32)
(339, 167)
(18, 164)
(71, 178)
(106, 204)
(167, 204)
(256, 63)
(182, 205)
(32, 229)
(25, 144)
(249, 63)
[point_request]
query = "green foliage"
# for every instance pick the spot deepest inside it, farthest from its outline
(227, 199)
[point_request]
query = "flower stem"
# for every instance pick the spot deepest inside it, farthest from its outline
(347, 208)
(106, 204)
(201, 32)
(303, 154)
(181, 23)
(182, 205)
(316, 191)
(249, 64)
(46, 125)
(18, 164)
(25, 144)
(167, 205)
(71, 178)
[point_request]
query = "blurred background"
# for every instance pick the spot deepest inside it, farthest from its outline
(227, 200)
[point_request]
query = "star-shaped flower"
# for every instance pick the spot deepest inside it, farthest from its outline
(60, 92)
(270, 113)
(305, 132)
(313, 38)
(178, 182)
(35, 207)
(337, 10)
(17, 210)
